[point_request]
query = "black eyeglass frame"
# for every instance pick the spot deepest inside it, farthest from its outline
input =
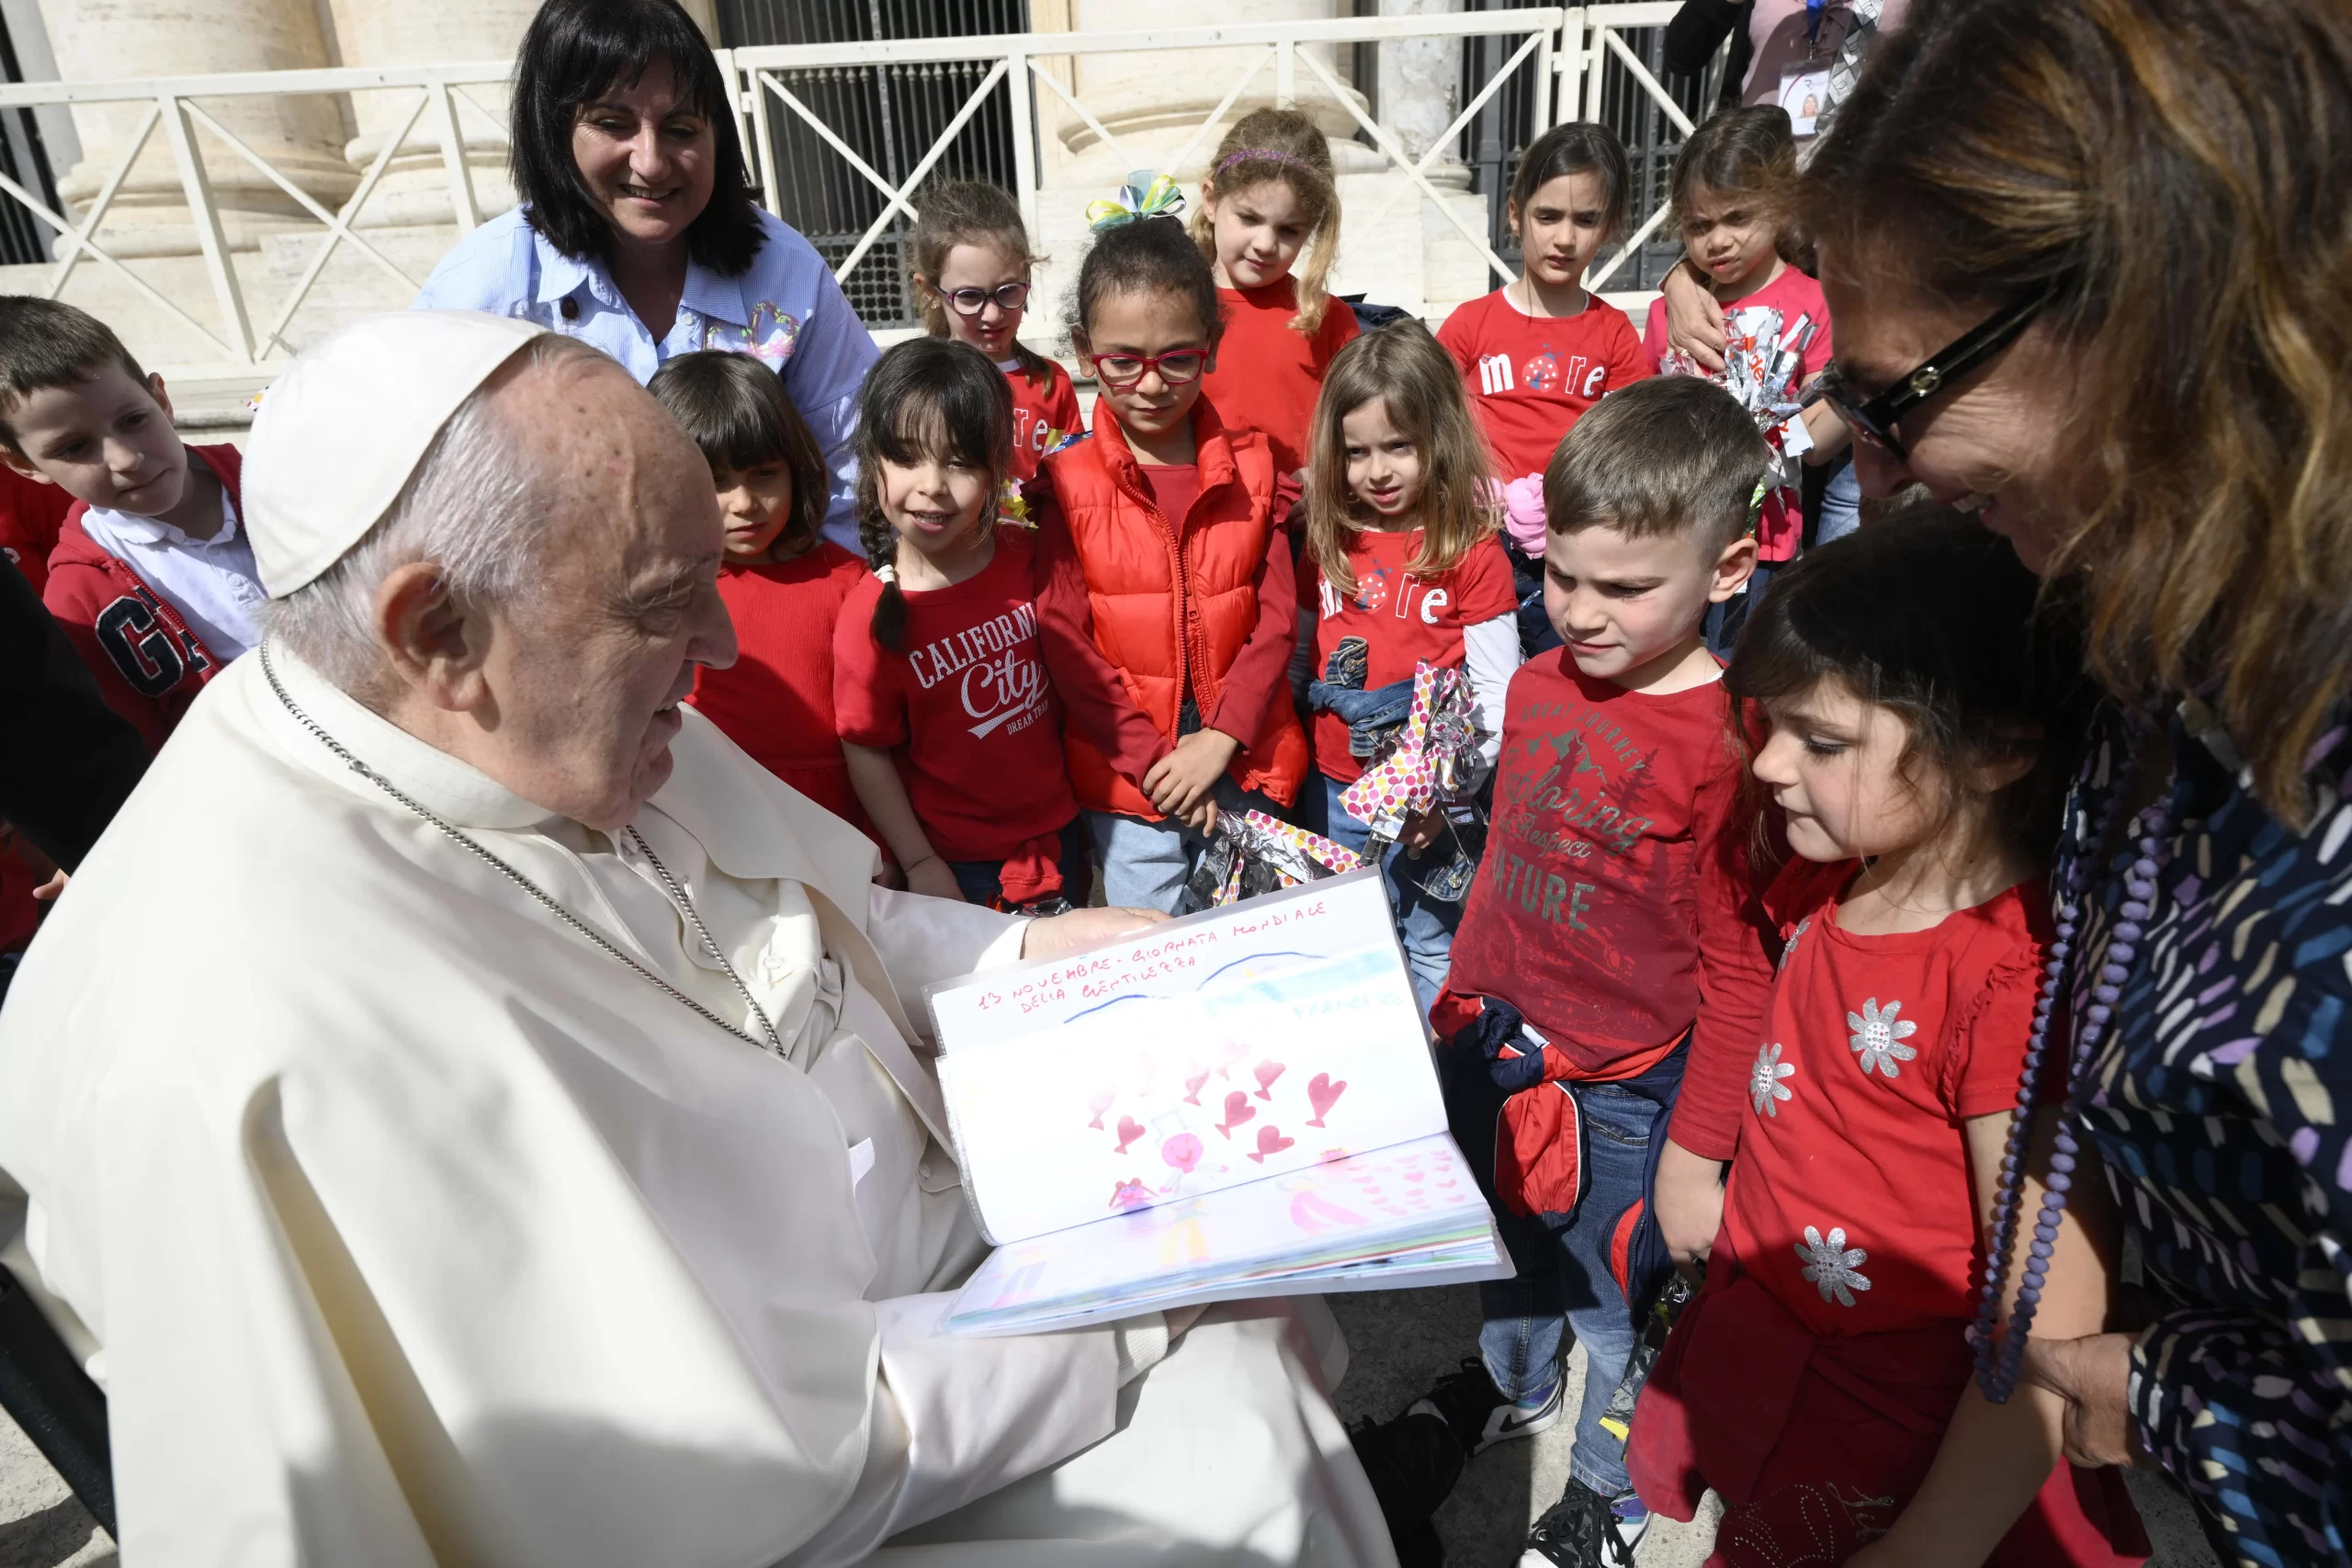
(1875, 419)
(981, 298)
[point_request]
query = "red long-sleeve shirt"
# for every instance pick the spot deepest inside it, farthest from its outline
(1089, 683)
(1615, 909)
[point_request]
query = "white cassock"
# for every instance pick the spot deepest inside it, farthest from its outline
(412, 1228)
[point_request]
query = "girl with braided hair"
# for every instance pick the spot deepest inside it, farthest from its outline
(950, 726)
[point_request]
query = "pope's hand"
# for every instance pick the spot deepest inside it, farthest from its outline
(1082, 928)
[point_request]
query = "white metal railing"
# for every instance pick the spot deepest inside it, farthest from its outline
(1569, 47)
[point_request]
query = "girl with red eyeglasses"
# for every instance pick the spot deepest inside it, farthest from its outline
(1166, 593)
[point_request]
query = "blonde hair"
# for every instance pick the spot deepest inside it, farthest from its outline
(1271, 145)
(967, 212)
(2169, 175)
(1402, 366)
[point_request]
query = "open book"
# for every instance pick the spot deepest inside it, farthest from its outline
(1239, 1103)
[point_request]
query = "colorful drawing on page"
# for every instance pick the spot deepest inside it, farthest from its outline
(1323, 1092)
(1099, 1103)
(1129, 1131)
(1181, 1153)
(1193, 1082)
(1266, 1072)
(1130, 1194)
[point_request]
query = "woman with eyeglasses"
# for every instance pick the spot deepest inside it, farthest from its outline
(971, 272)
(1166, 601)
(2088, 261)
(637, 229)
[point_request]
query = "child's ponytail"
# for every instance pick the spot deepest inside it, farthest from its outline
(925, 398)
(1282, 145)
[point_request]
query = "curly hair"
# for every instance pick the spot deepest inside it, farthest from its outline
(2171, 173)
(1281, 146)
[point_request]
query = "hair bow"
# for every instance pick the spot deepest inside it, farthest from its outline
(1145, 195)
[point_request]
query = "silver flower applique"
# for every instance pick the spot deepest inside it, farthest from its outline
(1764, 1085)
(1878, 1036)
(1831, 1267)
(1788, 950)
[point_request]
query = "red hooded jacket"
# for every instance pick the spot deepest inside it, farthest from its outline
(148, 662)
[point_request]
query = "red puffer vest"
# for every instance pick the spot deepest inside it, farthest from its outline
(1167, 603)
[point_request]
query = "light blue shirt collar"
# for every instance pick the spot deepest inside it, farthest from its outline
(712, 296)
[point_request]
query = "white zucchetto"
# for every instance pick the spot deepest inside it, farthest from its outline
(337, 436)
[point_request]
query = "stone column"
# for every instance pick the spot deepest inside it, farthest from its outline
(300, 137)
(415, 187)
(1420, 86)
(1152, 103)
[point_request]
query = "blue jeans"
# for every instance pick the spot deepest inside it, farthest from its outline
(1424, 925)
(1566, 1283)
(1842, 504)
(1145, 863)
(983, 880)
(1367, 714)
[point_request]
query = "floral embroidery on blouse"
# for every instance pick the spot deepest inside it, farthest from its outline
(1831, 1267)
(774, 334)
(1764, 1085)
(1789, 948)
(1878, 1037)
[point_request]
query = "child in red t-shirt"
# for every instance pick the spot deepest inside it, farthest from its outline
(1821, 1382)
(783, 581)
(1732, 180)
(1609, 939)
(1536, 354)
(1402, 568)
(1270, 199)
(952, 731)
(971, 270)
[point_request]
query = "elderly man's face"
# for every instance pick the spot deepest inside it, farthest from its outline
(587, 675)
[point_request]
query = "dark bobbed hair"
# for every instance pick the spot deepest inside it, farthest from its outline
(44, 343)
(738, 413)
(2171, 175)
(928, 397)
(1579, 147)
(1928, 615)
(1667, 455)
(1752, 150)
(573, 51)
(1151, 255)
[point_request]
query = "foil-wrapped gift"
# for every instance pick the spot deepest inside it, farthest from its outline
(1250, 853)
(1434, 763)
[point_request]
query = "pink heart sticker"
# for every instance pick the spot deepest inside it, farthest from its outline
(1129, 1131)
(1237, 1110)
(1271, 1142)
(1267, 1072)
(1323, 1092)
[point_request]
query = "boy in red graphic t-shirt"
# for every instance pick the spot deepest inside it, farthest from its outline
(1611, 942)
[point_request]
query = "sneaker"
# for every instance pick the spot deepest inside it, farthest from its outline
(1469, 1403)
(1584, 1530)
(1412, 1462)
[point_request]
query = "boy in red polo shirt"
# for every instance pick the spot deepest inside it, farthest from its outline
(1611, 942)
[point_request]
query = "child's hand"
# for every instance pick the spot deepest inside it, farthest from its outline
(1422, 831)
(1689, 1193)
(931, 876)
(1183, 781)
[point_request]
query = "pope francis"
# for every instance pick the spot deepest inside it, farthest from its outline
(470, 1113)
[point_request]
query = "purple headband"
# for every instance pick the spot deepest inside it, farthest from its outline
(1268, 155)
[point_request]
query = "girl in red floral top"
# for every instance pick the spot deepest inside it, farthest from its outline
(1822, 1382)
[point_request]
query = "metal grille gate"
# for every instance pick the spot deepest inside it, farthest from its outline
(890, 115)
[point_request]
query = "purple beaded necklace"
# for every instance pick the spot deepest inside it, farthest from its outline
(1997, 1368)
